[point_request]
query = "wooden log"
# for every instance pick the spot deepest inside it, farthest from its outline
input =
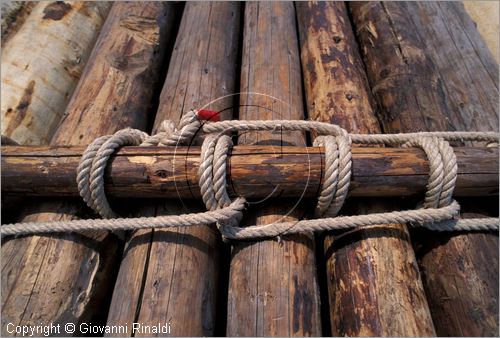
(14, 13)
(41, 66)
(429, 71)
(374, 286)
(172, 275)
(170, 172)
(9, 12)
(68, 278)
(272, 285)
(486, 19)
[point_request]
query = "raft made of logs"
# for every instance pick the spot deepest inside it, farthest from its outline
(367, 67)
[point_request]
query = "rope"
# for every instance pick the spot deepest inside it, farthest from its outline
(335, 187)
(115, 224)
(90, 177)
(439, 212)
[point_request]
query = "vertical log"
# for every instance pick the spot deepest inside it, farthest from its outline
(67, 277)
(172, 275)
(429, 71)
(374, 286)
(272, 287)
(41, 66)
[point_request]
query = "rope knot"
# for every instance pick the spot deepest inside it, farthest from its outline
(439, 212)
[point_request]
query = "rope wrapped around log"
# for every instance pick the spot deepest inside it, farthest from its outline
(440, 212)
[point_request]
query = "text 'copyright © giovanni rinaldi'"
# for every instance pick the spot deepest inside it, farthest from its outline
(86, 328)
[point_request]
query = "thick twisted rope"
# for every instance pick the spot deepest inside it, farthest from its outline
(442, 170)
(212, 176)
(226, 214)
(342, 222)
(338, 162)
(443, 217)
(90, 177)
(439, 212)
(90, 171)
(330, 129)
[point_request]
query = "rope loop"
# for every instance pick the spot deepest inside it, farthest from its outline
(337, 177)
(440, 211)
(90, 177)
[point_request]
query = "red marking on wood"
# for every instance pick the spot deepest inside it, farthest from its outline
(208, 115)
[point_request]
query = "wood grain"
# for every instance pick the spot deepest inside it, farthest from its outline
(68, 278)
(430, 70)
(374, 286)
(41, 66)
(172, 275)
(165, 172)
(272, 284)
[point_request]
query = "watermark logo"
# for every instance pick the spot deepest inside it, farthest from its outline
(126, 329)
(256, 106)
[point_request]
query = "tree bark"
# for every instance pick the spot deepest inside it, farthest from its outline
(374, 286)
(41, 66)
(172, 275)
(171, 172)
(430, 70)
(67, 278)
(272, 285)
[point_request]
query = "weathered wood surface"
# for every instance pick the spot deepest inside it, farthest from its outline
(374, 287)
(172, 275)
(14, 13)
(41, 66)
(273, 289)
(429, 70)
(9, 10)
(170, 172)
(68, 278)
(485, 15)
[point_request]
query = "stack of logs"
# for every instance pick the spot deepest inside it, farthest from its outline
(370, 67)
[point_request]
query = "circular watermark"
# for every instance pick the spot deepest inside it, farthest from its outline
(250, 104)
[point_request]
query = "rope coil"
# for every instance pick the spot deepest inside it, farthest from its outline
(440, 211)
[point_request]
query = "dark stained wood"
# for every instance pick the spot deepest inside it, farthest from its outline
(172, 275)
(430, 70)
(68, 278)
(273, 289)
(374, 286)
(173, 172)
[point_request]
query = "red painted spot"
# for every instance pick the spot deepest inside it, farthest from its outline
(208, 115)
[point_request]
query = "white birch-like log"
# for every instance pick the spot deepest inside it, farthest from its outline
(41, 65)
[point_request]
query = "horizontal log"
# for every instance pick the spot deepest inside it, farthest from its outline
(253, 171)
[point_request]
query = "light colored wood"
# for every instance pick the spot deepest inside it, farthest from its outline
(485, 16)
(172, 275)
(10, 9)
(41, 66)
(172, 172)
(68, 277)
(14, 13)
(430, 70)
(374, 286)
(273, 289)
